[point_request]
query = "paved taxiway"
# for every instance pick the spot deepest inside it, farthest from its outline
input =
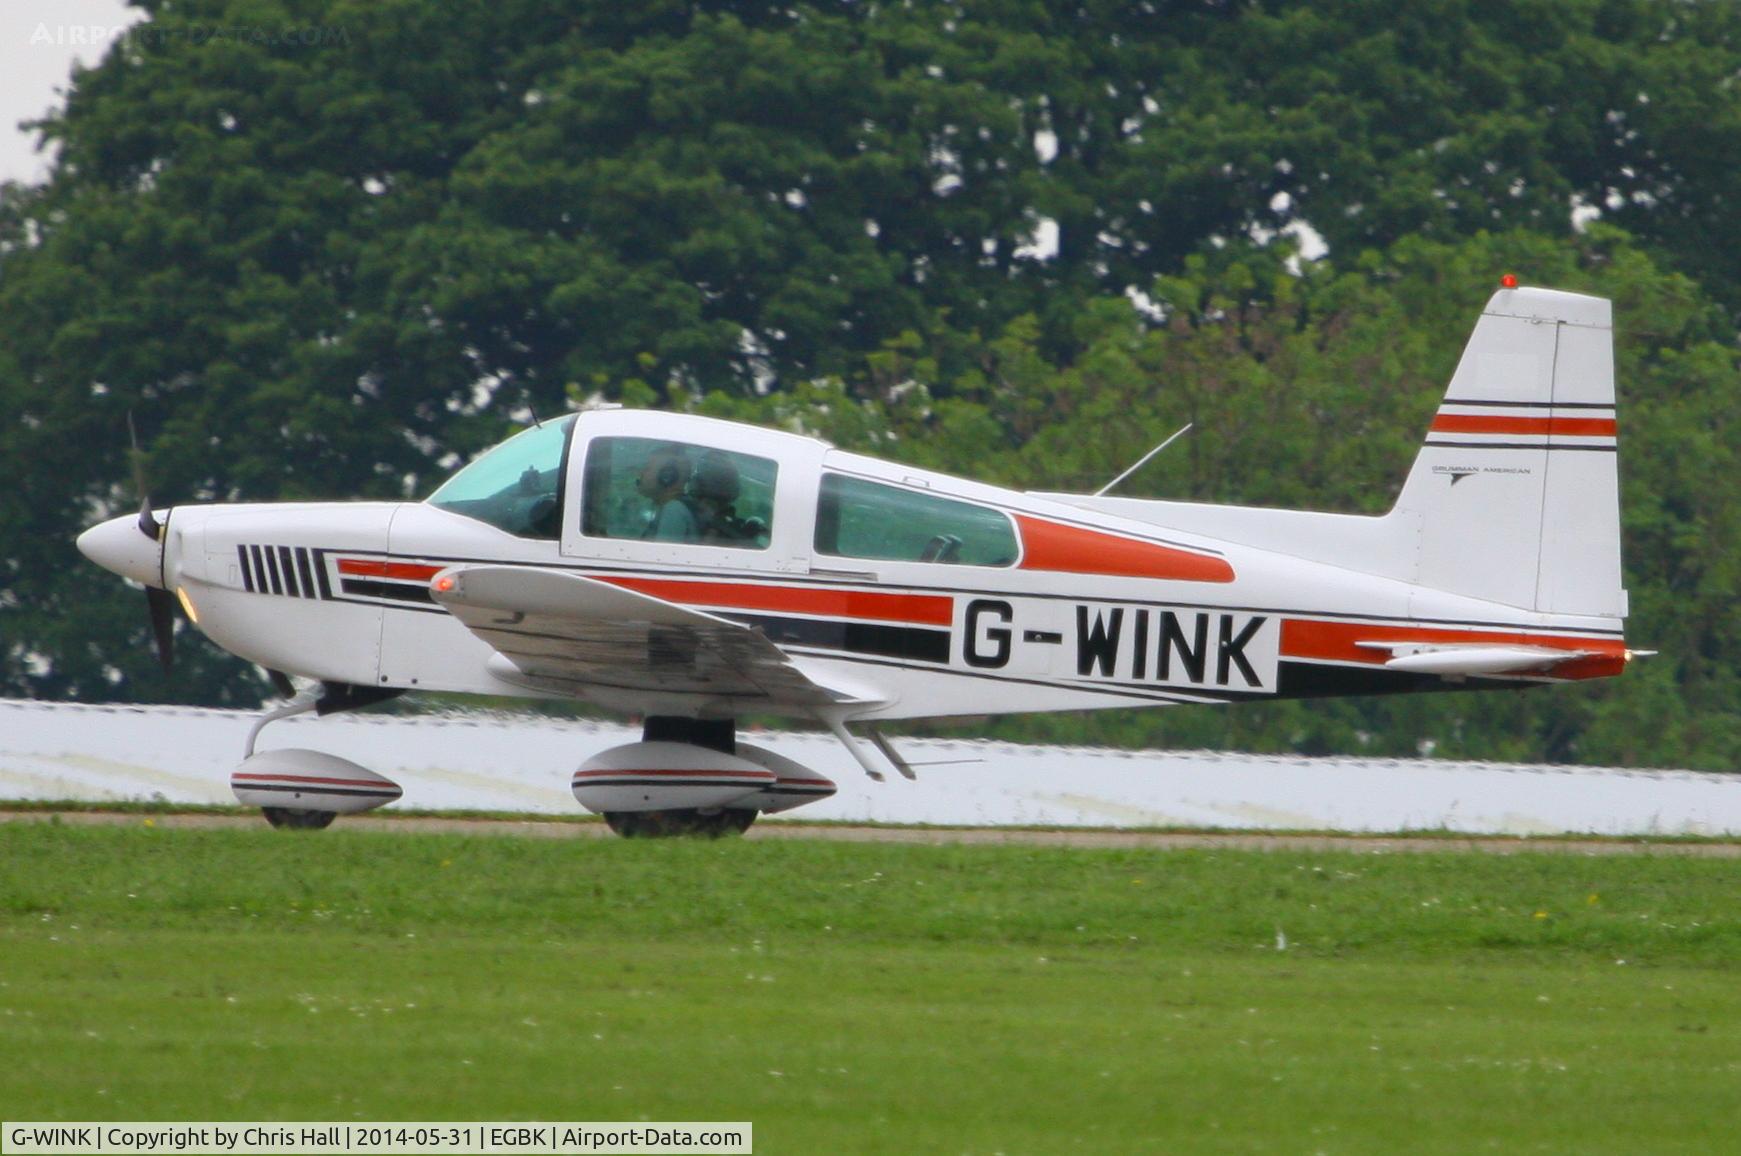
(520, 764)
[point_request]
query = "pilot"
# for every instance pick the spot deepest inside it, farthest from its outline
(662, 481)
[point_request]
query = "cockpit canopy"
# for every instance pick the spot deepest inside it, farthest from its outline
(516, 486)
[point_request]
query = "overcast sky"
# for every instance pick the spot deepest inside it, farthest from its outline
(39, 41)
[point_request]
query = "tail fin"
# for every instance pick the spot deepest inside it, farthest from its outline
(1515, 492)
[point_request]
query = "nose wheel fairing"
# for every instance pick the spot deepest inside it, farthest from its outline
(306, 789)
(304, 780)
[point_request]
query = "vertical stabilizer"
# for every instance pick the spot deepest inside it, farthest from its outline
(1516, 492)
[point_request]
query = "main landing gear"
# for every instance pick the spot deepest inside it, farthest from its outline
(663, 824)
(691, 777)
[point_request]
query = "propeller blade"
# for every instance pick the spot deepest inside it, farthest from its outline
(161, 604)
(148, 523)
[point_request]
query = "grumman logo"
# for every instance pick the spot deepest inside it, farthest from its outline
(1227, 650)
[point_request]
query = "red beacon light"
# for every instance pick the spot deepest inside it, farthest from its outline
(1509, 281)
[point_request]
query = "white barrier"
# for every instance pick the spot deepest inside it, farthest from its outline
(522, 763)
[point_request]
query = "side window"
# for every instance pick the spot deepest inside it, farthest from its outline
(860, 519)
(664, 491)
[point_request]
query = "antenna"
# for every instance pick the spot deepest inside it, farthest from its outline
(1144, 460)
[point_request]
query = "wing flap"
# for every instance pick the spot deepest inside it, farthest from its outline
(567, 633)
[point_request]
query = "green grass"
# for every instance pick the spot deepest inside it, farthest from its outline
(875, 998)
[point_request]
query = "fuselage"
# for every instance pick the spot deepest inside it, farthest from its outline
(941, 595)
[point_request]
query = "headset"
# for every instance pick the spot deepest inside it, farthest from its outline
(674, 470)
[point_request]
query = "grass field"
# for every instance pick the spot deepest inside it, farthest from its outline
(866, 998)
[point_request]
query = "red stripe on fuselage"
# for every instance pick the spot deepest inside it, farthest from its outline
(1482, 423)
(1068, 549)
(377, 568)
(913, 609)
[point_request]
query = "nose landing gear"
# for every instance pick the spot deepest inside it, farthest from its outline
(306, 790)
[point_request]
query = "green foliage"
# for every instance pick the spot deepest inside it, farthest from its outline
(339, 262)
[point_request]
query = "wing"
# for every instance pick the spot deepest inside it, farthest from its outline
(565, 633)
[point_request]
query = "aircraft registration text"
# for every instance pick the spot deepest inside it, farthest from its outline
(1123, 642)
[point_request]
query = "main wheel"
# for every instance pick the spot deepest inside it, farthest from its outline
(737, 820)
(687, 821)
(299, 820)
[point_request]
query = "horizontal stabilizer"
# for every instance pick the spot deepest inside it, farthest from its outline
(1472, 659)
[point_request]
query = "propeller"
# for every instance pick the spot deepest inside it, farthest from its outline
(159, 603)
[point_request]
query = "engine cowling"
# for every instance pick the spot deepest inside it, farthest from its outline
(664, 776)
(303, 780)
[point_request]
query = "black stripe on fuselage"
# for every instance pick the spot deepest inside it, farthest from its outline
(908, 642)
(1512, 404)
(266, 565)
(1328, 680)
(1449, 445)
(306, 572)
(605, 572)
(287, 566)
(1293, 679)
(373, 588)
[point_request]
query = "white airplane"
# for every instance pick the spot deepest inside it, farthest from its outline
(693, 571)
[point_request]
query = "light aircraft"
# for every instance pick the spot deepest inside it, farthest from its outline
(694, 571)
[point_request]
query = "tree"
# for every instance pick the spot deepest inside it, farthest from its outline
(329, 247)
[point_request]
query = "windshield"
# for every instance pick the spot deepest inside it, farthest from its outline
(516, 486)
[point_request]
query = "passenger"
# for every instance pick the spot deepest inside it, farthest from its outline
(712, 491)
(713, 494)
(663, 478)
